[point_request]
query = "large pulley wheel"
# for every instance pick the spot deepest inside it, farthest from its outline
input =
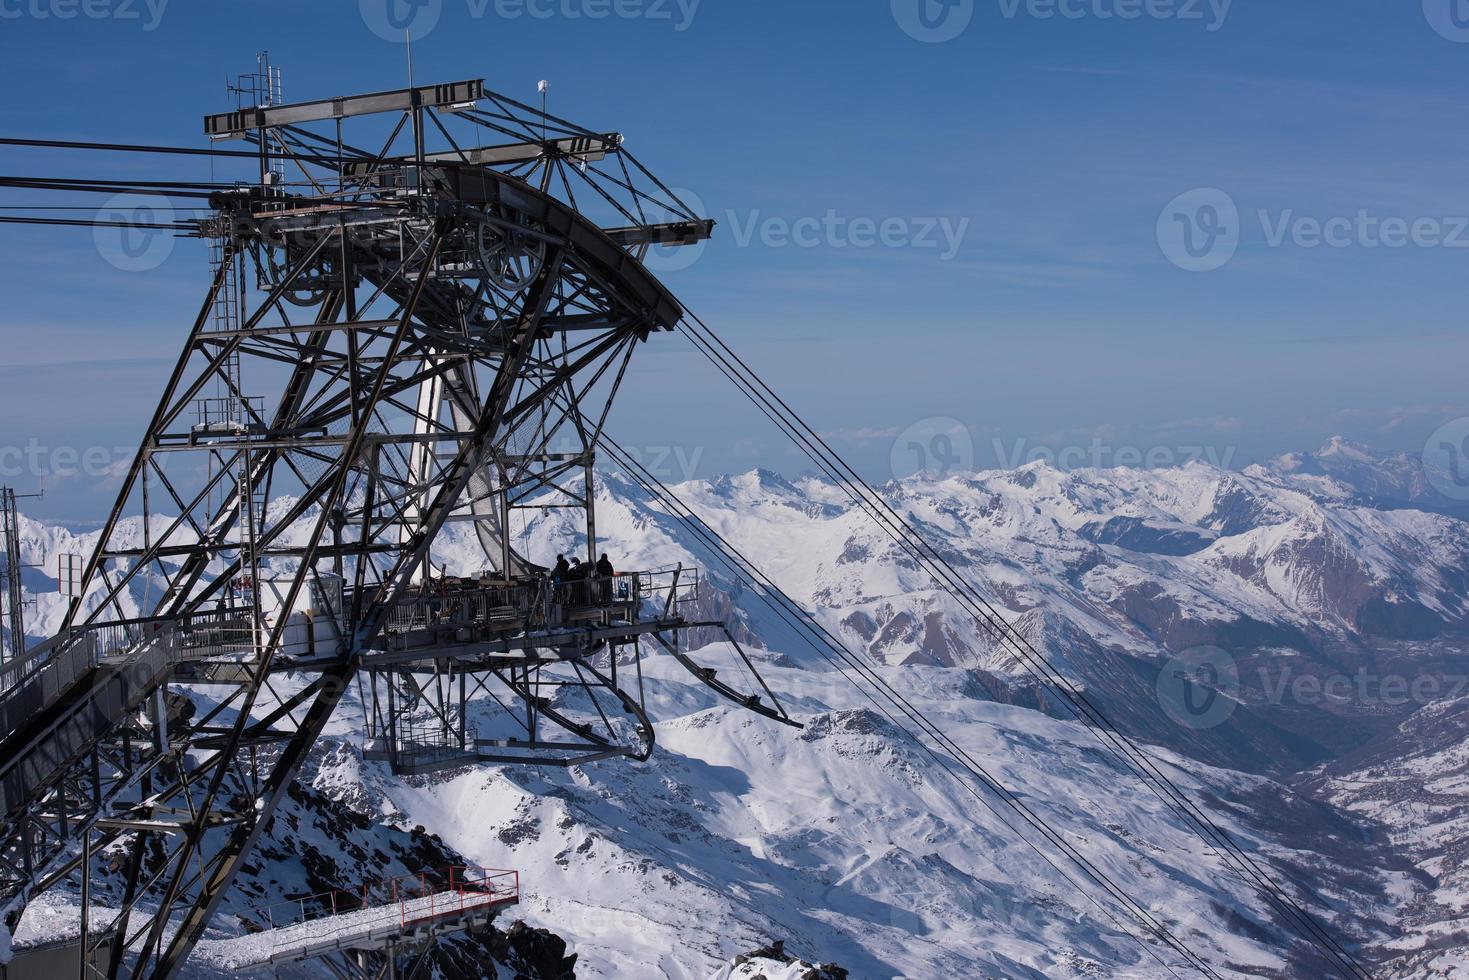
(309, 287)
(511, 259)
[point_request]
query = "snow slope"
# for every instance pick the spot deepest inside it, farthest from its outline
(849, 841)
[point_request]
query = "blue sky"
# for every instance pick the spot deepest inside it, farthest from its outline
(1040, 180)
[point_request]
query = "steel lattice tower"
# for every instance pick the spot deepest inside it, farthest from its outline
(392, 340)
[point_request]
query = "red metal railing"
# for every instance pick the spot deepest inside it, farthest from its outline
(468, 887)
(403, 901)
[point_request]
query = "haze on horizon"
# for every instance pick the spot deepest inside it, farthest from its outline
(1050, 279)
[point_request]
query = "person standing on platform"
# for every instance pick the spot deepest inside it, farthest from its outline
(605, 574)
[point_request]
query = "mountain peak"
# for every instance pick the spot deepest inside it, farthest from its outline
(759, 479)
(1341, 448)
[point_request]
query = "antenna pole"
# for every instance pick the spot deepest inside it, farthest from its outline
(12, 589)
(545, 87)
(417, 111)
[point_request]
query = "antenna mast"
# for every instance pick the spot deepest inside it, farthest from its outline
(12, 590)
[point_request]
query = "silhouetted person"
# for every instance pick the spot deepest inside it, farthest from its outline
(561, 570)
(604, 575)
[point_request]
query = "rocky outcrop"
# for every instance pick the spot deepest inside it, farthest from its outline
(532, 954)
(753, 965)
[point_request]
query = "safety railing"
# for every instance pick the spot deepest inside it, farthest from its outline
(664, 590)
(388, 905)
(670, 589)
(232, 414)
(538, 603)
(599, 590)
(32, 685)
(16, 673)
(206, 636)
(199, 636)
(40, 742)
(35, 683)
(445, 606)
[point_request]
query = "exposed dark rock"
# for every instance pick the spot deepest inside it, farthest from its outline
(776, 953)
(534, 954)
(1136, 534)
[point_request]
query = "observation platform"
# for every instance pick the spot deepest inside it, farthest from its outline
(469, 633)
(470, 619)
(374, 917)
(396, 913)
(73, 689)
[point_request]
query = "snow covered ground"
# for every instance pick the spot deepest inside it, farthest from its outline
(846, 840)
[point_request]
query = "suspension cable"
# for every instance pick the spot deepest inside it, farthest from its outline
(1132, 755)
(1117, 743)
(841, 658)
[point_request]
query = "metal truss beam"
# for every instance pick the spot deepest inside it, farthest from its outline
(228, 125)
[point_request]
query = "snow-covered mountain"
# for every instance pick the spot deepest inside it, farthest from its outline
(1114, 573)
(1414, 782)
(1371, 476)
(1314, 589)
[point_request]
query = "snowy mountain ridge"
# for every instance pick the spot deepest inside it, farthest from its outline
(848, 841)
